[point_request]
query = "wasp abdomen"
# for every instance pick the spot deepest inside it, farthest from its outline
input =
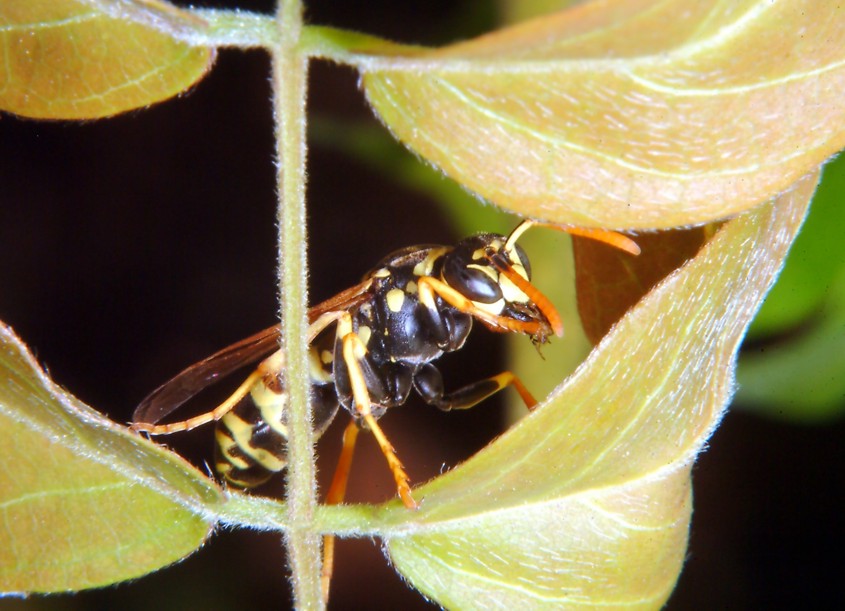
(252, 439)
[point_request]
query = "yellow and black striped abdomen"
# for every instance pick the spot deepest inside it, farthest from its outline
(252, 438)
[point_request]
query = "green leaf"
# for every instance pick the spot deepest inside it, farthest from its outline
(83, 501)
(66, 59)
(587, 500)
(613, 113)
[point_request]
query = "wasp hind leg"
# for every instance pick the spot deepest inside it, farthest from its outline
(429, 384)
(335, 496)
(216, 414)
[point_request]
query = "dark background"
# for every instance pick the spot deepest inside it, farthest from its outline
(132, 247)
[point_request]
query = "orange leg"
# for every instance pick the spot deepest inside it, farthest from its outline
(216, 414)
(475, 393)
(268, 370)
(353, 350)
(431, 390)
(335, 495)
(508, 377)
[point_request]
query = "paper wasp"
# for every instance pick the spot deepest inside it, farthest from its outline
(413, 307)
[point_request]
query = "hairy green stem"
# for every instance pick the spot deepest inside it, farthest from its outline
(290, 72)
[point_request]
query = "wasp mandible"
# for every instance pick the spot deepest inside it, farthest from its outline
(370, 347)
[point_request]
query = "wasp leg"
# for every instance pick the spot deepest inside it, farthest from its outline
(325, 320)
(335, 495)
(268, 370)
(216, 414)
(429, 287)
(429, 384)
(353, 350)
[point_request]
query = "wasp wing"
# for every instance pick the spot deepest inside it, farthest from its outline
(168, 397)
(345, 300)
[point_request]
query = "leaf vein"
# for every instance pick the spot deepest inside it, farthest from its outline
(34, 496)
(47, 25)
(577, 148)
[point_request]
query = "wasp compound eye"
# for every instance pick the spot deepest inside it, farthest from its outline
(471, 282)
(523, 259)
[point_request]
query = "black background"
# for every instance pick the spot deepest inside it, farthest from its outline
(132, 247)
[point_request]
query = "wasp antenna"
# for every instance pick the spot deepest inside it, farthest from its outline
(612, 238)
(517, 233)
(534, 294)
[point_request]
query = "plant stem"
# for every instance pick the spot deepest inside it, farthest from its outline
(290, 72)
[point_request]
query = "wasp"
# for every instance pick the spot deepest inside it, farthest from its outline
(371, 346)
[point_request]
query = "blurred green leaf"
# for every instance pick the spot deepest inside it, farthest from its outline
(793, 367)
(376, 149)
(815, 262)
(514, 11)
(71, 59)
(801, 377)
(84, 502)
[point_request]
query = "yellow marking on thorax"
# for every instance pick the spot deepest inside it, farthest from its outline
(382, 272)
(344, 325)
(316, 362)
(364, 333)
(411, 288)
(395, 298)
(424, 267)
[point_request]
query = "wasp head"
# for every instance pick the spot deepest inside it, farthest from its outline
(494, 273)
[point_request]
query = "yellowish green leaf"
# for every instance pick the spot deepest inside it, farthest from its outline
(71, 59)
(621, 113)
(83, 502)
(586, 502)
